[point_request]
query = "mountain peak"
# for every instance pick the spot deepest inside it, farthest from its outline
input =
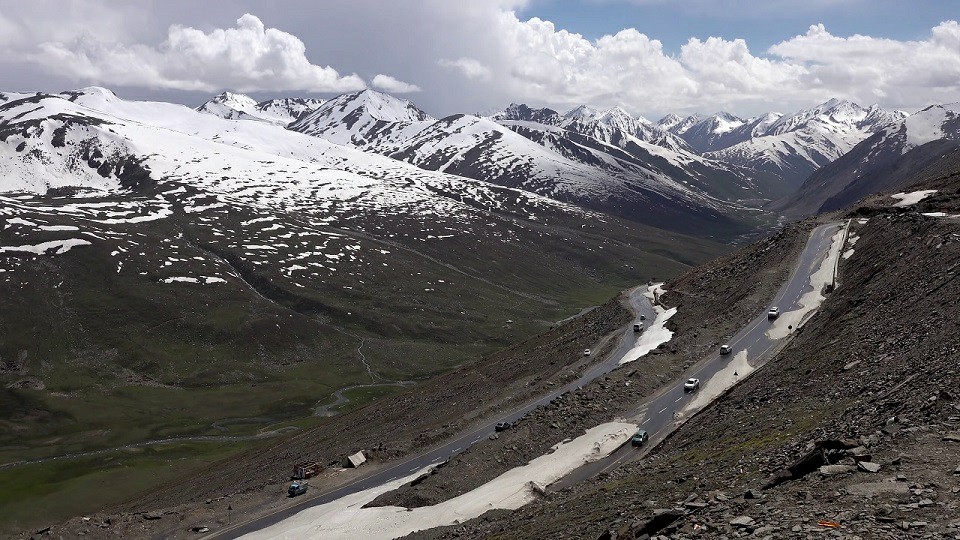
(234, 100)
(380, 106)
(523, 112)
(583, 111)
(723, 122)
(835, 103)
(669, 119)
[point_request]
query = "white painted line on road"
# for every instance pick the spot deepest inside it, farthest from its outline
(663, 409)
(455, 450)
(645, 421)
(678, 399)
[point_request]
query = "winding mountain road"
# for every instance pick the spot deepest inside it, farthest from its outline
(658, 415)
(752, 347)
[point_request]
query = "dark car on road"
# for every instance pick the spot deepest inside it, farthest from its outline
(502, 426)
(639, 438)
(297, 488)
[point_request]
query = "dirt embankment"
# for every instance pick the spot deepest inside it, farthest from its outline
(868, 384)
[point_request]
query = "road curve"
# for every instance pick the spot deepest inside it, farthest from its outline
(663, 405)
(665, 411)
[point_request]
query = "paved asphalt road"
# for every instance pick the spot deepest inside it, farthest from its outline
(657, 414)
(663, 405)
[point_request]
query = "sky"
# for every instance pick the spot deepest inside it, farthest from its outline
(650, 57)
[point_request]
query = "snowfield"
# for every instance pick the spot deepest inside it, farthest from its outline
(928, 124)
(909, 199)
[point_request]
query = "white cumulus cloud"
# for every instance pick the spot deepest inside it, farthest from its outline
(532, 60)
(470, 55)
(247, 58)
(469, 67)
(390, 84)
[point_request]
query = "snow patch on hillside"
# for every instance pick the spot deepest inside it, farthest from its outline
(927, 125)
(720, 382)
(911, 198)
(61, 247)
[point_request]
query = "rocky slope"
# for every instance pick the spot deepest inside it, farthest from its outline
(852, 430)
(438, 408)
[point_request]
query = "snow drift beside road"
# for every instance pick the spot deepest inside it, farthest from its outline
(724, 379)
(656, 334)
(345, 518)
(789, 321)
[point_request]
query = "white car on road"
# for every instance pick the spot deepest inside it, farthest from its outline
(725, 349)
(692, 385)
(586, 352)
(773, 313)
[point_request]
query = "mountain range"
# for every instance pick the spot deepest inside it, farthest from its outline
(886, 160)
(788, 146)
(682, 173)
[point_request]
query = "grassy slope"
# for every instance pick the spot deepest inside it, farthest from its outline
(100, 359)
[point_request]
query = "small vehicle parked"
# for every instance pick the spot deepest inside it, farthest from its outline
(692, 385)
(297, 488)
(725, 349)
(502, 426)
(586, 352)
(639, 437)
(773, 313)
(638, 327)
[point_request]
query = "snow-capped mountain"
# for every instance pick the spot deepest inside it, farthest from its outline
(614, 125)
(883, 161)
(593, 158)
(676, 124)
(232, 107)
(709, 133)
(524, 113)
(185, 199)
(793, 146)
(360, 119)
(280, 111)
(287, 110)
